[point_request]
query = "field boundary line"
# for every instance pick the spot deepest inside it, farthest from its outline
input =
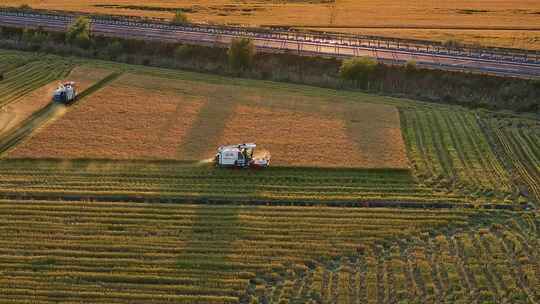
(202, 200)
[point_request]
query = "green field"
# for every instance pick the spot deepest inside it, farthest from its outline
(23, 74)
(162, 231)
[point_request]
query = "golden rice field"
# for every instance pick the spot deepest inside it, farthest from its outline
(17, 111)
(436, 203)
(495, 22)
(141, 117)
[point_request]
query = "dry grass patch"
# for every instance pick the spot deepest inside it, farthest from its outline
(18, 111)
(117, 122)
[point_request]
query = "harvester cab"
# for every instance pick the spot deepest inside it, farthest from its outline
(65, 93)
(240, 156)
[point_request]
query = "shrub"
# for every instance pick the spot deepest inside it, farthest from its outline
(25, 7)
(410, 66)
(452, 43)
(518, 296)
(241, 53)
(34, 36)
(79, 33)
(536, 83)
(114, 49)
(179, 18)
(183, 52)
(358, 69)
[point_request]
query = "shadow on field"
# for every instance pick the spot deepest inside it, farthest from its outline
(215, 225)
(203, 139)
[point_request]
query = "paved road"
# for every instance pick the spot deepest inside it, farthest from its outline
(280, 42)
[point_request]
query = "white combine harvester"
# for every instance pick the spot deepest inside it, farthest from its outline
(240, 156)
(65, 93)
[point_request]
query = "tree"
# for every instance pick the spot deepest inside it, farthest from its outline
(37, 36)
(410, 66)
(452, 43)
(358, 69)
(180, 18)
(79, 33)
(183, 51)
(241, 53)
(25, 7)
(115, 49)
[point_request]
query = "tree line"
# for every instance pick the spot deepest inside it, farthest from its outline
(242, 59)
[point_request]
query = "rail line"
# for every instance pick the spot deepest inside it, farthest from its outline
(503, 62)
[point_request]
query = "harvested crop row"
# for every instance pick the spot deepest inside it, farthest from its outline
(118, 252)
(153, 180)
(450, 147)
(492, 264)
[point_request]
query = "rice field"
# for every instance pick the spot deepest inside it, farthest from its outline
(157, 253)
(148, 253)
(148, 118)
(489, 22)
(162, 126)
(494, 264)
(17, 111)
(115, 202)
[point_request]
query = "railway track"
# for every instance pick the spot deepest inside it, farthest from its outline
(504, 63)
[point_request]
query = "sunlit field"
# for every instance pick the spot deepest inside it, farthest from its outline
(487, 22)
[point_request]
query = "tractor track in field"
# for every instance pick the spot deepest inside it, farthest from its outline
(41, 117)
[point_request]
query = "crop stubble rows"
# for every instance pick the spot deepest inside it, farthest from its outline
(183, 253)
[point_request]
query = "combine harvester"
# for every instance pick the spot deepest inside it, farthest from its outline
(240, 156)
(66, 93)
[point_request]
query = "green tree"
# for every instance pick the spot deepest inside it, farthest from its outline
(183, 51)
(79, 33)
(358, 70)
(115, 49)
(410, 66)
(452, 43)
(180, 18)
(25, 7)
(241, 53)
